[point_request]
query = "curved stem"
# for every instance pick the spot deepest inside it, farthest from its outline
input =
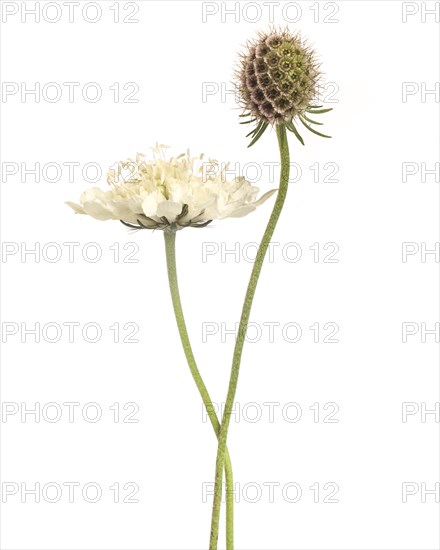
(170, 249)
(252, 285)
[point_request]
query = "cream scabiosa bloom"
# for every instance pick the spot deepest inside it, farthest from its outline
(180, 192)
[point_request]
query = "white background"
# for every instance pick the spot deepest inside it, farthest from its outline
(369, 53)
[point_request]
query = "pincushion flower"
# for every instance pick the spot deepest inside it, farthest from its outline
(277, 82)
(171, 194)
(278, 79)
(180, 192)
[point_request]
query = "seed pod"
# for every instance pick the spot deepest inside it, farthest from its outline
(278, 77)
(277, 81)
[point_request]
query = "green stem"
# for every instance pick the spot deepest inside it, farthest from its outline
(252, 285)
(170, 249)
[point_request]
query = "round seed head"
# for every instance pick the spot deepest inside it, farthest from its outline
(278, 77)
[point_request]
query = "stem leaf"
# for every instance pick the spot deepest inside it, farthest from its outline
(311, 121)
(260, 132)
(311, 129)
(319, 111)
(290, 126)
(256, 129)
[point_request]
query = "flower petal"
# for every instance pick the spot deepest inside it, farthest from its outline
(169, 209)
(77, 207)
(264, 197)
(149, 205)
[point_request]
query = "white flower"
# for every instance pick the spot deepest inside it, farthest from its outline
(180, 192)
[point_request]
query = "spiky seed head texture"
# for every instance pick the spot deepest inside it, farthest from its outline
(278, 77)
